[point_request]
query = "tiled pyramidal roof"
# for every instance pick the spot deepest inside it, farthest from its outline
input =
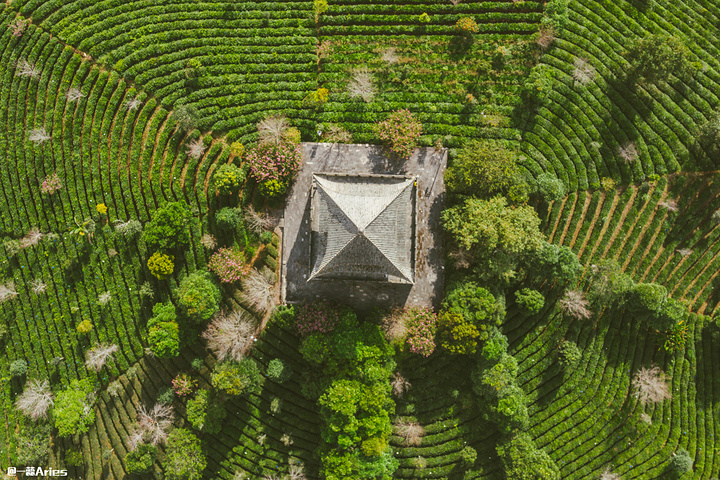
(362, 227)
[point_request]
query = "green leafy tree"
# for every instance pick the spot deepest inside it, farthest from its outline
(401, 131)
(647, 299)
(485, 169)
(237, 378)
(555, 262)
(73, 411)
(18, 368)
(205, 413)
(187, 117)
(497, 235)
(680, 462)
(33, 443)
(169, 228)
(475, 303)
(161, 265)
(198, 296)
(228, 219)
(549, 188)
(141, 459)
(278, 371)
(184, 458)
(655, 57)
(163, 331)
(228, 178)
(530, 301)
(569, 355)
(456, 335)
(524, 461)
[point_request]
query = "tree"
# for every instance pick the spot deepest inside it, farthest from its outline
(555, 262)
(549, 188)
(205, 413)
(271, 129)
(655, 57)
(524, 461)
(186, 117)
(650, 385)
(278, 371)
(496, 234)
(259, 290)
(73, 411)
(401, 131)
(475, 303)
(680, 462)
(575, 305)
(228, 219)
(198, 296)
(36, 399)
(141, 459)
(456, 335)
(18, 368)
(648, 300)
(184, 458)
(152, 426)
(161, 265)
(163, 331)
(228, 178)
(231, 336)
(569, 355)
(362, 85)
(169, 228)
(97, 357)
(129, 228)
(196, 148)
(530, 301)
(33, 443)
(485, 169)
(237, 378)
(411, 432)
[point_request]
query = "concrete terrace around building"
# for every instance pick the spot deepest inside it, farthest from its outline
(363, 229)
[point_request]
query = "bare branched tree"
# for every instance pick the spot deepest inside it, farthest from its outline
(628, 152)
(133, 103)
(583, 73)
(135, 438)
(546, 37)
(461, 257)
(259, 222)
(25, 68)
(684, 252)
(394, 326)
(645, 418)
(400, 384)
(362, 85)
(608, 475)
(650, 385)
(272, 128)
(38, 286)
(31, 238)
(231, 336)
(286, 439)
(38, 135)
(670, 204)
(455, 2)
(389, 56)
(208, 241)
(97, 357)
(259, 290)
(74, 94)
(128, 228)
(104, 298)
(7, 291)
(296, 472)
(196, 148)
(575, 305)
(337, 134)
(411, 432)
(154, 425)
(36, 399)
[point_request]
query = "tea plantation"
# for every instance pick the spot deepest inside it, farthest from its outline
(147, 149)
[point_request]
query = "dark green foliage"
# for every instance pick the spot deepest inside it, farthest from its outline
(33, 444)
(549, 188)
(184, 458)
(74, 457)
(647, 299)
(198, 296)
(709, 138)
(141, 459)
(237, 378)
(169, 228)
(555, 263)
(524, 461)
(556, 15)
(197, 364)
(166, 395)
(608, 283)
(187, 117)
(228, 219)
(486, 169)
(673, 312)
(278, 371)
(530, 301)
(205, 413)
(456, 335)
(69, 411)
(18, 368)
(569, 355)
(163, 331)
(475, 304)
(655, 57)
(680, 462)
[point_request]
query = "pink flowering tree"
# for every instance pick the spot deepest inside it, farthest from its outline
(183, 384)
(318, 317)
(421, 323)
(400, 131)
(51, 184)
(274, 166)
(228, 264)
